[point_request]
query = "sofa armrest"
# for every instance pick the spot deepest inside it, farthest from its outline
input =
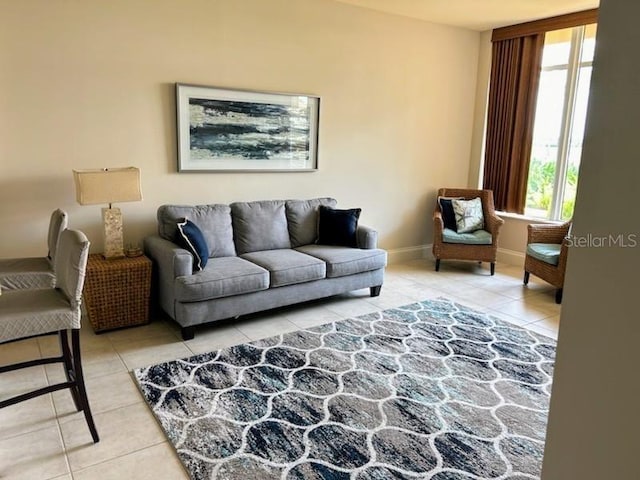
(171, 260)
(366, 237)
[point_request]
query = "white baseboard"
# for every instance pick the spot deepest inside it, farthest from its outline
(405, 254)
(511, 257)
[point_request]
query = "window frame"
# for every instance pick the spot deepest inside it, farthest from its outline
(564, 137)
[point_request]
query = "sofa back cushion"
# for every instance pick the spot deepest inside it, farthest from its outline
(259, 226)
(214, 221)
(302, 217)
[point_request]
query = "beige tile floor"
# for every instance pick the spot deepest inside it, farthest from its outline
(45, 438)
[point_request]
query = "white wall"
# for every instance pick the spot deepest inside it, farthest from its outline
(476, 159)
(594, 418)
(91, 85)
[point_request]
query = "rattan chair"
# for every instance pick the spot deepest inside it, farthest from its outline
(552, 268)
(443, 250)
(36, 272)
(28, 313)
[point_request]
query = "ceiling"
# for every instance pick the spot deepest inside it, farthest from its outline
(478, 15)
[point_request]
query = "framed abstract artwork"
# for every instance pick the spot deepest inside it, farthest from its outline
(225, 130)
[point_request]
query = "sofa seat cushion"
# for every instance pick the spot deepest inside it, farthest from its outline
(343, 261)
(545, 252)
(479, 237)
(222, 277)
(287, 266)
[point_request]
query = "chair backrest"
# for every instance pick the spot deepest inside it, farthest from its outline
(71, 264)
(58, 223)
(486, 197)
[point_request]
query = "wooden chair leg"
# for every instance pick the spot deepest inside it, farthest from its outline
(526, 278)
(493, 268)
(437, 264)
(79, 377)
(559, 296)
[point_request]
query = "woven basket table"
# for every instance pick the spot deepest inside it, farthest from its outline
(116, 291)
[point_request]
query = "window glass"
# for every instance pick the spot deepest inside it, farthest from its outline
(557, 45)
(544, 146)
(575, 144)
(558, 133)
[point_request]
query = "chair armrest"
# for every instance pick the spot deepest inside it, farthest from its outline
(366, 237)
(546, 233)
(438, 223)
(493, 223)
(564, 253)
(171, 260)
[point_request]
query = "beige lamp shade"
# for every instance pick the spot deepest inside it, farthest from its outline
(112, 185)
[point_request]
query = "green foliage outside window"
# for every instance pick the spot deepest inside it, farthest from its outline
(540, 187)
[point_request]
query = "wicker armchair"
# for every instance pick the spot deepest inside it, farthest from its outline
(463, 251)
(549, 272)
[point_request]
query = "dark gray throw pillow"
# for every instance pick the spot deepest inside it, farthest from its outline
(191, 238)
(338, 227)
(448, 215)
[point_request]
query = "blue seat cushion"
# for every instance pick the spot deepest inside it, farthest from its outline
(545, 252)
(479, 237)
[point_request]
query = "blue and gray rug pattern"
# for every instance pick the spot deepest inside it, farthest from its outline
(431, 390)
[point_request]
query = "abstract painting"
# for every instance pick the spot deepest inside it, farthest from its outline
(239, 130)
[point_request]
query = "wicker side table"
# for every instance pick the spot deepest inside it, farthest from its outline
(116, 291)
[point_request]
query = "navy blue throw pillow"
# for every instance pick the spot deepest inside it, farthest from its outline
(448, 215)
(338, 227)
(192, 239)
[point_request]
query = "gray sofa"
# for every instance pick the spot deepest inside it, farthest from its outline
(263, 255)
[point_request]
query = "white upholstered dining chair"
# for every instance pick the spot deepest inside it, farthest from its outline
(27, 313)
(34, 272)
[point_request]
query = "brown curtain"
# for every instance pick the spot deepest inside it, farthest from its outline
(515, 72)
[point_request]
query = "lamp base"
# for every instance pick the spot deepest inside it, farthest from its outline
(113, 242)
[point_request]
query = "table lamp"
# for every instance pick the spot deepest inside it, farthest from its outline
(109, 185)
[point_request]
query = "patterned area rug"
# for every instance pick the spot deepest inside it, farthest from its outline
(431, 390)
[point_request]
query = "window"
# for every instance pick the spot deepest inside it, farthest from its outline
(544, 63)
(559, 123)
